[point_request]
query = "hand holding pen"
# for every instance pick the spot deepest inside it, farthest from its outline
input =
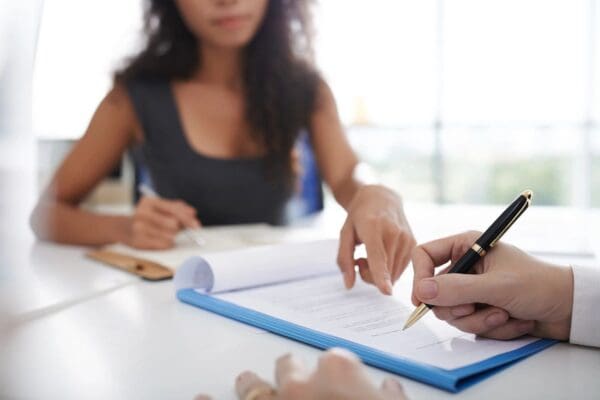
(157, 221)
(509, 293)
(473, 254)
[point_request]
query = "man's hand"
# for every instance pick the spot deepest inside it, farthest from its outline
(510, 293)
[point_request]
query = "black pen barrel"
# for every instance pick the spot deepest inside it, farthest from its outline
(502, 222)
(465, 263)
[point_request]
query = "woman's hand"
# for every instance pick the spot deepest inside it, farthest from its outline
(375, 218)
(157, 221)
(511, 293)
(339, 375)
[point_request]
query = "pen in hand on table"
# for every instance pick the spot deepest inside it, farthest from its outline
(189, 233)
(481, 246)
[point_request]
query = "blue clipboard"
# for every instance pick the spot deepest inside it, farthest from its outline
(452, 380)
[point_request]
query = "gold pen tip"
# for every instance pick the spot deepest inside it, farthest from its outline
(416, 315)
(528, 194)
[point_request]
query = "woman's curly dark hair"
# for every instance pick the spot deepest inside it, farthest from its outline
(279, 80)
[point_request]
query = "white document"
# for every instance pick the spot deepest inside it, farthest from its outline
(365, 316)
(301, 283)
(257, 266)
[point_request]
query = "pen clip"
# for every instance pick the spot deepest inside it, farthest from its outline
(527, 194)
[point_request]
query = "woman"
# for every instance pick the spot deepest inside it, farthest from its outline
(214, 104)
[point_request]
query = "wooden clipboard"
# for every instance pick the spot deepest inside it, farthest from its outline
(143, 268)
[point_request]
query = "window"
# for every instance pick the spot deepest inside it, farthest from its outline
(470, 100)
(75, 59)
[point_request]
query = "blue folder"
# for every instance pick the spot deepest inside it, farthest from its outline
(452, 380)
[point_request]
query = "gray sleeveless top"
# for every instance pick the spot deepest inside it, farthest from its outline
(223, 191)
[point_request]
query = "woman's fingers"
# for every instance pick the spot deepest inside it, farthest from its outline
(363, 270)
(345, 258)
(163, 222)
(405, 243)
(375, 218)
(184, 214)
(152, 243)
(392, 241)
(148, 237)
(248, 385)
(378, 262)
(141, 227)
(398, 250)
(157, 221)
(389, 246)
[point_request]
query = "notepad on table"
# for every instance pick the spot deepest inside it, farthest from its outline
(295, 290)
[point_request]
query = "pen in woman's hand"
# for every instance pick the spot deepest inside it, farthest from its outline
(189, 233)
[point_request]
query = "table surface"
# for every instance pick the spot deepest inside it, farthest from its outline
(78, 329)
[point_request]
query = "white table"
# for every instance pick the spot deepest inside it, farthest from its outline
(87, 331)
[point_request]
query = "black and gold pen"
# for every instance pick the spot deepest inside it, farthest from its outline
(481, 246)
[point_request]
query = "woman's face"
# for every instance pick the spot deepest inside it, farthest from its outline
(223, 23)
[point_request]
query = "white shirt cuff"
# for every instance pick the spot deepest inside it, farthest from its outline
(585, 320)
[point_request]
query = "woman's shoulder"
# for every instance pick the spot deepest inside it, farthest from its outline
(324, 97)
(143, 97)
(118, 100)
(118, 96)
(118, 107)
